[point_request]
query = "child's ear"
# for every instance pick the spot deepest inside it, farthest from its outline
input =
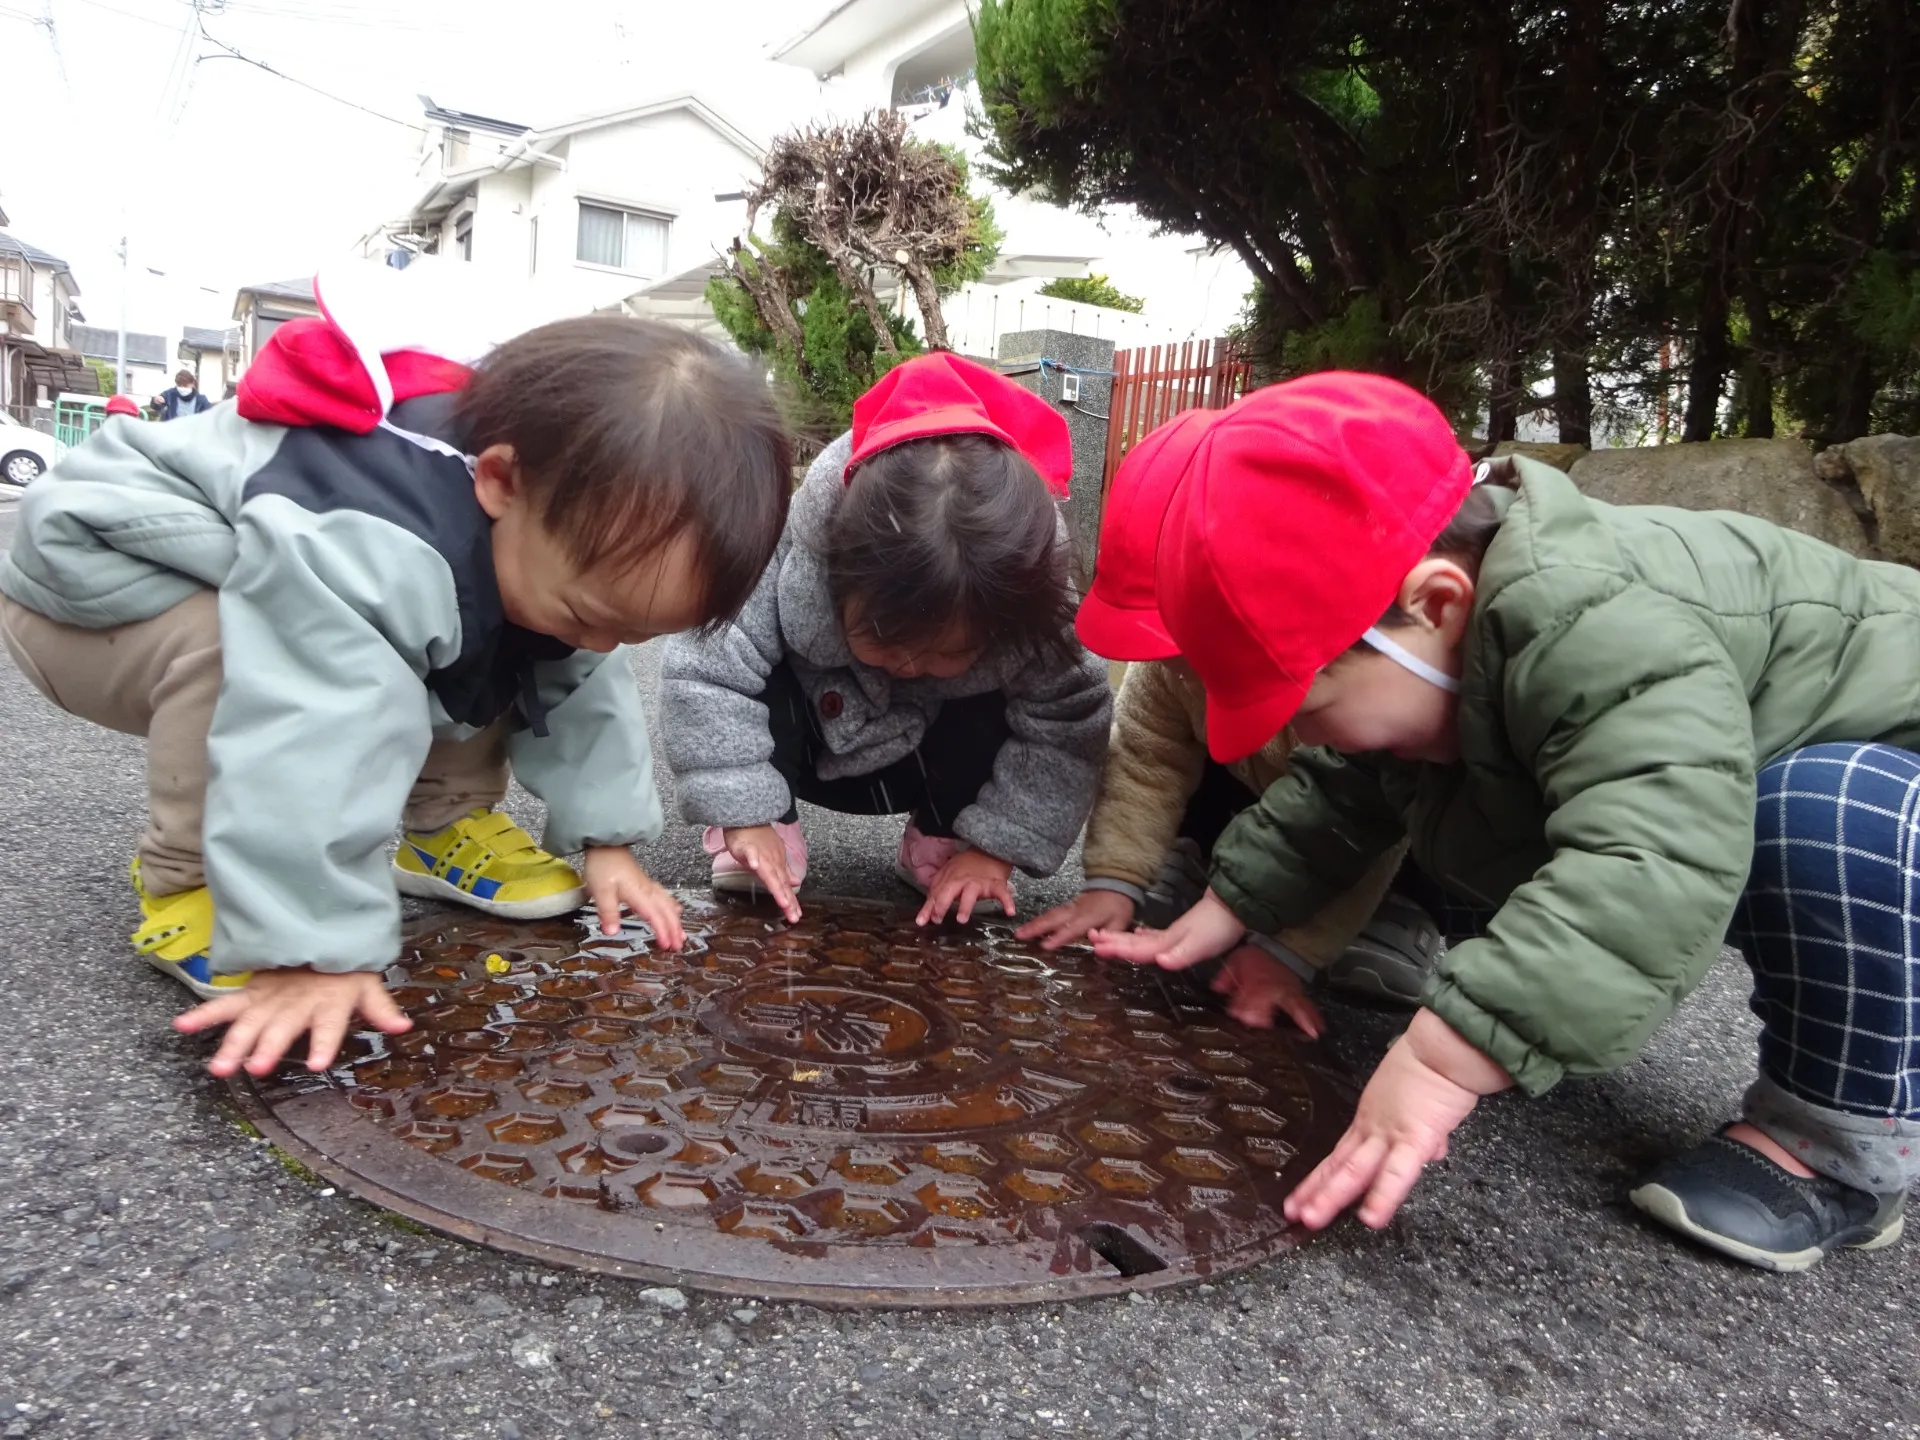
(1438, 594)
(496, 480)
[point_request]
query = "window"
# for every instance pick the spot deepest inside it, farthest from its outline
(622, 239)
(463, 235)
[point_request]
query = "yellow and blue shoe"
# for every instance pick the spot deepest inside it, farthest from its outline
(175, 934)
(485, 860)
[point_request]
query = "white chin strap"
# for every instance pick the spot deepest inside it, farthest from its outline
(1407, 660)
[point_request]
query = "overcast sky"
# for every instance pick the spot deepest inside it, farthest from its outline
(240, 176)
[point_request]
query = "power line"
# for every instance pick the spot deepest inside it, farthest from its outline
(234, 54)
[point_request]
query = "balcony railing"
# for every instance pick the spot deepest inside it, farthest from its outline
(16, 297)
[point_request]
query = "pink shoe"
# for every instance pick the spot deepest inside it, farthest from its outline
(923, 856)
(730, 875)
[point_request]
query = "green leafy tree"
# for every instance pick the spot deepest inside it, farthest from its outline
(1691, 213)
(1092, 290)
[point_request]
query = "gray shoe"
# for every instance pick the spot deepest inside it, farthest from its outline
(1731, 1197)
(1393, 956)
(1177, 888)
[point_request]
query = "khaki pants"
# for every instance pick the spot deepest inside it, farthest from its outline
(160, 678)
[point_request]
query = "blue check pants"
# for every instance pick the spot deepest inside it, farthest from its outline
(1830, 924)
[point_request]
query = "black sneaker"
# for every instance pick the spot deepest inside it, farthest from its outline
(1731, 1197)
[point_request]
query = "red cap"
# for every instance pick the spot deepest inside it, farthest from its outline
(122, 405)
(1303, 511)
(1120, 618)
(941, 394)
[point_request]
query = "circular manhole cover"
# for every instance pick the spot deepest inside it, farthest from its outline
(847, 1110)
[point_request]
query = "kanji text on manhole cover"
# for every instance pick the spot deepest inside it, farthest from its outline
(847, 1109)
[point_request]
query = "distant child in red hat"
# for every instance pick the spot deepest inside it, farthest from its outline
(1627, 734)
(122, 405)
(1163, 802)
(909, 650)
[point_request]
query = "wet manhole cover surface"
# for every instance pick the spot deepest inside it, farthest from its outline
(845, 1110)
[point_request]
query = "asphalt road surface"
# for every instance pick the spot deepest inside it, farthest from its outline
(163, 1274)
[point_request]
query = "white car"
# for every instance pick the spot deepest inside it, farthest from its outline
(25, 455)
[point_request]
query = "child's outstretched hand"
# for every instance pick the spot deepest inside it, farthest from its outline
(963, 882)
(761, 850)
(1089, 910)
(614, 878)
(1202, 933)
(1258, 987)
(1425, 1086)
(278, 1006)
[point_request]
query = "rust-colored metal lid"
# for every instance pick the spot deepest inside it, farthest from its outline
(845, 1110)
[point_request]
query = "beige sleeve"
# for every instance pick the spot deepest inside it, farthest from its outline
(1153, 767)
(1324, 938)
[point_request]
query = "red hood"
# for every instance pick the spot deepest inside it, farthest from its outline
(310, 372)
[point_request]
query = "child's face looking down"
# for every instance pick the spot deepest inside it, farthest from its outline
(943, 658)
(1366, 701)
(542, 589)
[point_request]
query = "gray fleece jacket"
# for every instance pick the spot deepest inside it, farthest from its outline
(716, 736)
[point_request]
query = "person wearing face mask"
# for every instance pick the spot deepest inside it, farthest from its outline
(181, 399)
(1626, 735)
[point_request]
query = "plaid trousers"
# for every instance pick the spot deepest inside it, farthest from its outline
(1830, 924)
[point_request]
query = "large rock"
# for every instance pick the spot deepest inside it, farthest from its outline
(1771, 479)
(1547, 452)
(1885, 471)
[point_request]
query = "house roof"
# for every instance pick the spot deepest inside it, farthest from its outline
(851, 26)
(96, 342)
(195, 337)
(14, 245)
(301, 289)
(467, 120)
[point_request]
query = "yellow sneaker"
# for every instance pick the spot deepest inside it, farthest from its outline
(174, 936)
(486, 861)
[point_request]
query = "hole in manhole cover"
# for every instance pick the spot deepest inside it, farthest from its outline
(846, 1110)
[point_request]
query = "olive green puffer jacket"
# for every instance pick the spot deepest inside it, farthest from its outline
(1627, 671)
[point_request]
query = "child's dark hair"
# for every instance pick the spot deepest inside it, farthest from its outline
(1468, 534)
(952, 535)
(629, 434)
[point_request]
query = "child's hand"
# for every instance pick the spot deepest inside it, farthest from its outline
(615, 878)
(761, 850)
(278, 1006)
(1089, 910)
(968, 878)
(1428, 1083)
(1259, 987)
(1202, 933)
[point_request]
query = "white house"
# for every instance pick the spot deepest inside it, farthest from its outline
(917, 56)
(39, 305)
(574, 217)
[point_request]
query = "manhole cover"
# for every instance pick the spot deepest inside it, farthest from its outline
(844, 1110)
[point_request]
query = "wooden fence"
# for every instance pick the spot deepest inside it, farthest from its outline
(1153, 384)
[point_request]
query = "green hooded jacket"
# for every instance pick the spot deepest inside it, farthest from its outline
(1627, 671)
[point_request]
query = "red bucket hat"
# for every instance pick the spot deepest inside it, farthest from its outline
(1304, 509)
(122, 405)
(941, 394)
(1120, 618)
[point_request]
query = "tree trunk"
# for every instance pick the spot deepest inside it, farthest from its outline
(1573, 396)
(927, 296)
(1707, 374)
(1503, 400)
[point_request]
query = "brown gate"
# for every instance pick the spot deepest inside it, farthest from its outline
(1154, 383)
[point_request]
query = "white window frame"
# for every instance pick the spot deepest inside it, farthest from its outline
(663, 216)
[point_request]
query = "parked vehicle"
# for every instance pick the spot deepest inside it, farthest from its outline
(25, 455)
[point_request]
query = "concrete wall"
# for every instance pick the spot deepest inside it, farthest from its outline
(1020, 352)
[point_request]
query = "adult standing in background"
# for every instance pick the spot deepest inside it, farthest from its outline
(183, 399)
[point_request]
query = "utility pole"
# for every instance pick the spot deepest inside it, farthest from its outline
(120, 350)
